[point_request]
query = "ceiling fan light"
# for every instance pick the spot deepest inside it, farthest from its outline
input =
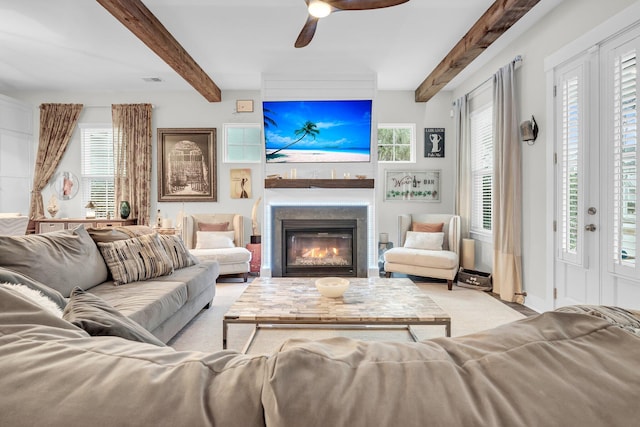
(319, 9)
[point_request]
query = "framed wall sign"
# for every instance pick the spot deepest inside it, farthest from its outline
(187, 165)
(434, 142)
(412, 185)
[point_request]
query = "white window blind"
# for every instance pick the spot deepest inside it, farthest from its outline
(97, 168)
(481, 137)
(625, 158)
(571, 132)
(396, 142)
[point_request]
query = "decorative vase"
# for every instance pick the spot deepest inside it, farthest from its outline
(125, 209)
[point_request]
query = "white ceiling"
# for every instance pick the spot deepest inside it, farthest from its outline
(77, 45)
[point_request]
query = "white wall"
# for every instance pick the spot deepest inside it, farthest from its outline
(400, 107)
(567, 22)
(189, 109)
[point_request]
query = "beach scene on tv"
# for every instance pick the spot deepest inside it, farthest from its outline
(317, 131)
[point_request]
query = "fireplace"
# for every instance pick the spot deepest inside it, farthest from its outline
(308, 241)
(319, 247)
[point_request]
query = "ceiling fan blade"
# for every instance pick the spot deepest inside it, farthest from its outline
(307, 32)
(363, 4)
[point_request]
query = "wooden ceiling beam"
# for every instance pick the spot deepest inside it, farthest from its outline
(500, 16)
(134, 15)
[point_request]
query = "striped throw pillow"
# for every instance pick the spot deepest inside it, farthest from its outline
(135, 259)
(176, 250)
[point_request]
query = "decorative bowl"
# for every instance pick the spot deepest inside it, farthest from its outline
(332, 287)
(361, 176)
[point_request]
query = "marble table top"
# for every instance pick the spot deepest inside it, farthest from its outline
(368, 300)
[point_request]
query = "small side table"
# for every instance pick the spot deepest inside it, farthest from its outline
(256, 257)
(382, 248)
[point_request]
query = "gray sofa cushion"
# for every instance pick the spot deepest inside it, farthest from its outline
(197, 277)
(11, 276)
(98, 318)
(148, 303)
(61, 260)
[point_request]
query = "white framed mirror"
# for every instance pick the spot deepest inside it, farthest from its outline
(65, 185)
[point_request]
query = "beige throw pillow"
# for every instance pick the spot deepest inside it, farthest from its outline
(215, 239)
(428, 241)
(427, 227)
(136, 259)
(218, 226)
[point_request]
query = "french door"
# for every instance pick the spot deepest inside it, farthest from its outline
(596, 175)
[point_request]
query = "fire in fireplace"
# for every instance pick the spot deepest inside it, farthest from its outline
(317, 248)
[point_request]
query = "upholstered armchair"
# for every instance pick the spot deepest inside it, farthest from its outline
(423, 250)
(218, 237)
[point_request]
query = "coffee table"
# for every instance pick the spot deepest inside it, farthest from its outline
(368, 302)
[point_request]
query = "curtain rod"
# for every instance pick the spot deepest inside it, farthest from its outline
(108, 106)
(515, 60)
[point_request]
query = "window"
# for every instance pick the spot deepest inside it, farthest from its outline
(97, 168)
(242, 143)
(571, 135)
(397, 142)
(625, 152)
(481, 142)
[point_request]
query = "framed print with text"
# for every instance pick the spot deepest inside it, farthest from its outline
(412, 185)
(434, 142)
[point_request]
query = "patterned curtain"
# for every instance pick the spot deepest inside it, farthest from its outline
(132, 157)
(507, 189)
(57, 122)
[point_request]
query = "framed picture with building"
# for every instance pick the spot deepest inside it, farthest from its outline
(187, 165)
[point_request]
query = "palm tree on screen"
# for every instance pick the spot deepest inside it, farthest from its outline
(309, 128)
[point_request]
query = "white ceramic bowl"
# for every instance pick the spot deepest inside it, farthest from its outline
(332, 287)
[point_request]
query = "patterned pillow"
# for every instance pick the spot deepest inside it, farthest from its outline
(176, 250)
(135, 259)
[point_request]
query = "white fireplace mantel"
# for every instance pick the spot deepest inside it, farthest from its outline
(319, 197)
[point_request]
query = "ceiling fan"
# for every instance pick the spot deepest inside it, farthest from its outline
(321, 8)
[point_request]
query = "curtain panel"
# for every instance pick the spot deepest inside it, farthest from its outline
(507, 189)
(57, 122)
(463, 194)
(132, 157)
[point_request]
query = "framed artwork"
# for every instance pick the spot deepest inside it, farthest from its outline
(412, 185)
(240, 183)
(434, 142)
(187, 165)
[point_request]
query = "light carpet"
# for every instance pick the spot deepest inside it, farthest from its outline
(470, 310)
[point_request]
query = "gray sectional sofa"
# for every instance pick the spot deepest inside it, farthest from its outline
(66, 259)
(575, 366)
(554, 369)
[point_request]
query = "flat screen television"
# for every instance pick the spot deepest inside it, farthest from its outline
(317, 131)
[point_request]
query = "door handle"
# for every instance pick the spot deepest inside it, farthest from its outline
(590, 227)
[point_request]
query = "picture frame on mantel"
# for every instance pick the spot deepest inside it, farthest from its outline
(412, 185)
(187, 165)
